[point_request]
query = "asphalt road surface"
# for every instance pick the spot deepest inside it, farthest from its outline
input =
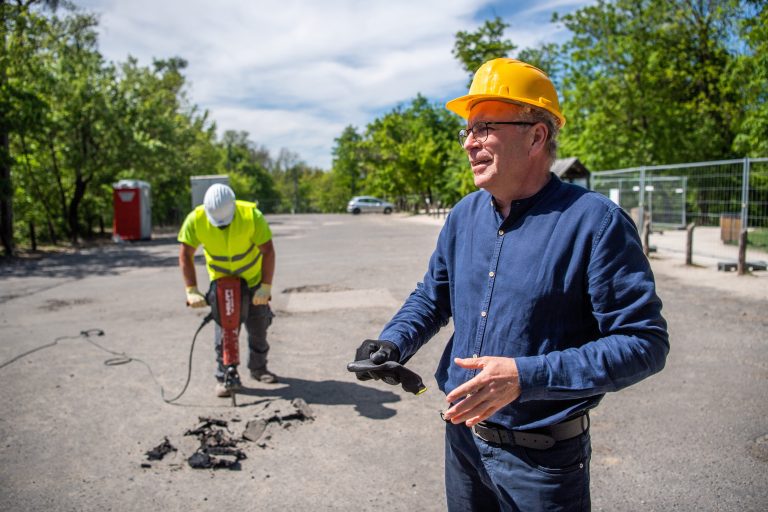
(76, 419)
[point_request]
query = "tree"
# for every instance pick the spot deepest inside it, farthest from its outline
(412, 151)
(472, 49)
(547, 58)
(80, 124)
(14, 22)
(749, 79)
(248, 167)
(71, 123)
(642, 82)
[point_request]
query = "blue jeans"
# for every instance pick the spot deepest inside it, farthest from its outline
(486, 477)
(259, 319)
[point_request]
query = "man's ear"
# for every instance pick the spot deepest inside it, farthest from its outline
(539, 134)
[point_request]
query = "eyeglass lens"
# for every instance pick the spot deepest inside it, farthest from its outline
(480, 131)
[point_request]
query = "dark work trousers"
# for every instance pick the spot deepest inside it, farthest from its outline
(259, 319)
(480, 476)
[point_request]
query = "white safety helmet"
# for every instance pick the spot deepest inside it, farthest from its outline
(219, 203)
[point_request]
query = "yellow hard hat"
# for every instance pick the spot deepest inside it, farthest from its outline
(509, 80)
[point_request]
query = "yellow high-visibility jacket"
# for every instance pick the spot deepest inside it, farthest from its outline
(234, 250)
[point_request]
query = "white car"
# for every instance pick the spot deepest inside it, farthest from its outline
(369, 204)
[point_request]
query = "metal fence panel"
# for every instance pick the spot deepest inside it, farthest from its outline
(670, 196)
(721, 197)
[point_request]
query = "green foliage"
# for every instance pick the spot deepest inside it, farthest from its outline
(248, 167)
(758, 239)
(546, 58)
(66, 118)
(644, 82)
(410, 151)
(79, 124)
(749, 79)
(472, 49)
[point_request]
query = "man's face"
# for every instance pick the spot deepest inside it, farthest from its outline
(499, 162)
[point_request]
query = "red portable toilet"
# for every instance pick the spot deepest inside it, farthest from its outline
(133, 210)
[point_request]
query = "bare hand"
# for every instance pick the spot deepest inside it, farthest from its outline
(495, 386)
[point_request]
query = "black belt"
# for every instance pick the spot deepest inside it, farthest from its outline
(538, 439)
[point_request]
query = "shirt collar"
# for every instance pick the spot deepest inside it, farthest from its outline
(520, 206)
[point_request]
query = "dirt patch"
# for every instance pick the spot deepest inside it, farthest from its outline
(57, 304)
(758, 448)
(10, 296)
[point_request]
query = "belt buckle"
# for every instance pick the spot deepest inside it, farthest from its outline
(474, 430)
(490, 434)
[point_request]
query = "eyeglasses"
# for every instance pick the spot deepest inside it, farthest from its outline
(480, 130)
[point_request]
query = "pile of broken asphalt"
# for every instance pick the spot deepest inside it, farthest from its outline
(223, 444)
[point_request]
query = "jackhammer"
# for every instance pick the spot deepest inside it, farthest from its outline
(229, 298)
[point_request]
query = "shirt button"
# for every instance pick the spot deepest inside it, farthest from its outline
(491, 273)
(483, 314)
(501, 232)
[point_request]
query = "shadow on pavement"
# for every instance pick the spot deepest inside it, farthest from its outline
(99, 260)
(368, 402)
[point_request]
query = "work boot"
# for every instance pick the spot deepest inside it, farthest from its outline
(264, 375)
(221, 391)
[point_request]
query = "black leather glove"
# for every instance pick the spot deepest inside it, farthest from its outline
(378, 352)
(379, 359)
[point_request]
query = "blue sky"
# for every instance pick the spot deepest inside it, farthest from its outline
(294, 73)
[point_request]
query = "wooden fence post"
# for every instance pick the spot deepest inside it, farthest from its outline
(689, 243)
(741, 267)
(646, 235)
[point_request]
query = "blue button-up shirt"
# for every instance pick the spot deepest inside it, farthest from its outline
(561, 285)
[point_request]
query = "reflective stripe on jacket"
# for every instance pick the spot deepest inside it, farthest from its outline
(230, 251)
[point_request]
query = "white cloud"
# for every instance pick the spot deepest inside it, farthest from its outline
(294, 73)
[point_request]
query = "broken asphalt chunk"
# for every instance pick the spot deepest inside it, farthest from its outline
(161, 450)
(254, 429)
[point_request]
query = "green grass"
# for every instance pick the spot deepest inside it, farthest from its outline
(758, 238)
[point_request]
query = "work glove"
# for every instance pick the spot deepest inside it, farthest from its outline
(379, 360)
(195, 299)
(262, 294)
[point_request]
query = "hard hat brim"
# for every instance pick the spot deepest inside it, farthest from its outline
(225, 221)
(463, 104)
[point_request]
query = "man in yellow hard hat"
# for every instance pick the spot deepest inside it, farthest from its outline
(552, 299)
(237, 241)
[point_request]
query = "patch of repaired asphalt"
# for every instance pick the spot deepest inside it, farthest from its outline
(222, 447)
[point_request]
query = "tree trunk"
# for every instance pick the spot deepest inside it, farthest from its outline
(6, 192)
(32, 237)
(52, 231)
(6, 188)
(72, 213)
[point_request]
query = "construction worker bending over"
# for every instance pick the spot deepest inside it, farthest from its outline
(237, 241)
(553, 305)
